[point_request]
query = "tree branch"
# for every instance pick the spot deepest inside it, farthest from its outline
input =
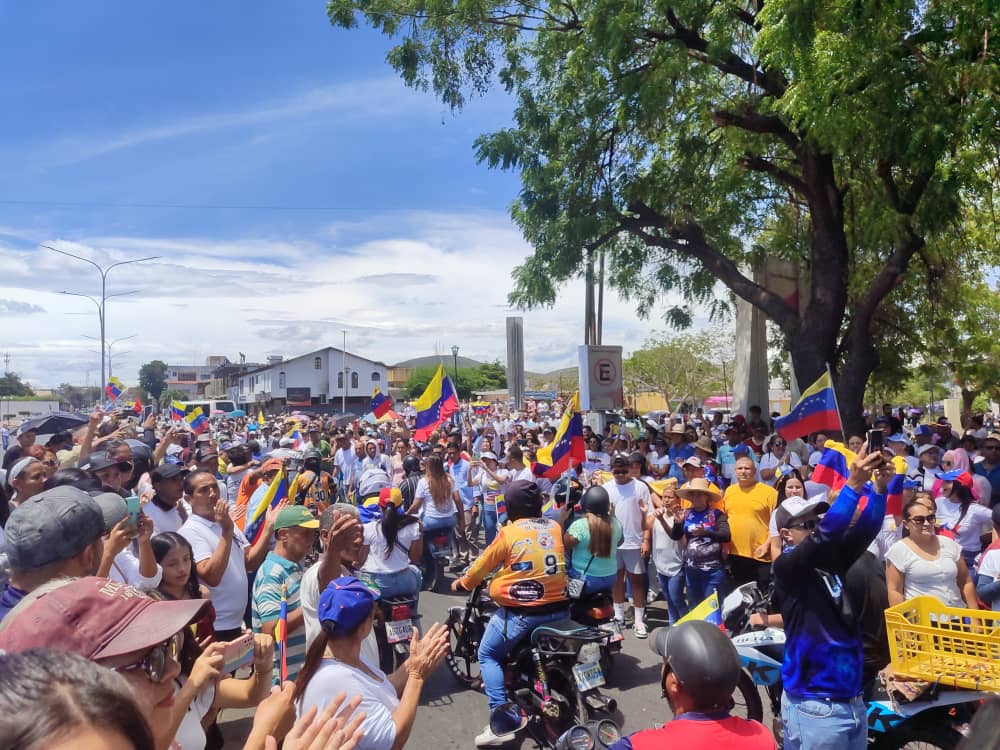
(756, 122)
(760, 164)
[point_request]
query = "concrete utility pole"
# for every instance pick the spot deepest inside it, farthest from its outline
(101, 306)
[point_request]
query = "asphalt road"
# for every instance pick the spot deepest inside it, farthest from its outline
(451, 716)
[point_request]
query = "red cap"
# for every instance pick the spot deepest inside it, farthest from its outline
(97, 619)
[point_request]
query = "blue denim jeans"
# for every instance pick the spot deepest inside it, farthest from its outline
(701, 583)
(593, 584)
(504, 631)
(673, 592)
(401, 583)
(490, 522)
(819, 724)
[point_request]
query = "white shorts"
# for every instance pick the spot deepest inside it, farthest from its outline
(631, 561)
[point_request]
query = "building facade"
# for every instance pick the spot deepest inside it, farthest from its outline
(324, 380)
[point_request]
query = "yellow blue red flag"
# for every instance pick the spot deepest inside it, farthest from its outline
(438, 402)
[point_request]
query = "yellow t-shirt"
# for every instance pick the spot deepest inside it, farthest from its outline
(749, 514)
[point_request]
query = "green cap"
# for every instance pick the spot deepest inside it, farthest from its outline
(296, 515)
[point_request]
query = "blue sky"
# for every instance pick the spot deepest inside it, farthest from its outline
(209, 134)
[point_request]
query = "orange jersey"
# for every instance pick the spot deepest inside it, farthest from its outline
(533, 560)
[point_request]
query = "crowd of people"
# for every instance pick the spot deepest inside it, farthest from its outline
(148, 575)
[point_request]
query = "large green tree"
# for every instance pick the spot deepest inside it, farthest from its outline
(685, 142)
(683, 368)
(153, 378)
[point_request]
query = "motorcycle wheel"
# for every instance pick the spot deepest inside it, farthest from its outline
(746, 699)
(463, 654)
(429, 570)
(918, 735)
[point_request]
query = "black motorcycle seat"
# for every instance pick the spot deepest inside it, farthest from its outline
(567, 629)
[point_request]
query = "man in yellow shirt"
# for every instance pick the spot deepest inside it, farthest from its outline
(749, 505)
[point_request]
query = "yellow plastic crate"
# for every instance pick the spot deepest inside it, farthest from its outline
(953, 646)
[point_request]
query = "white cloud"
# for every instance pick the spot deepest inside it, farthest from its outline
(403, 284)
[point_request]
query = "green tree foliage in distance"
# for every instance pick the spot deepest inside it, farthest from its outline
(153, 378)
(690, 141)
(77, 397)
(12, 385)
(486, 377)
(683, 368)
(169, 395)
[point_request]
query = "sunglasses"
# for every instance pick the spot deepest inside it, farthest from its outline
(809, 525)
(619, 472)
(157, 660)
(921, 520)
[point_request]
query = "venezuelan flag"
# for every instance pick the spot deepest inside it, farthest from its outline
(481, 407)
(196, 420)
(176, 410)
(297, 441)
(276, 492)
(815, 411)
(894, 493)
(834, 465)
(567, 444)
(438, 402)
(708, 611)
(380, 403)
(114, 389)
(281, 632)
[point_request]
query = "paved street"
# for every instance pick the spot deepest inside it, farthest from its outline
(451, 717)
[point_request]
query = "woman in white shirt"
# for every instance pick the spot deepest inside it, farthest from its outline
(436, 502)
(925, 564)
(394, 543)
(961, 517)
(776, 455)
(334, 665)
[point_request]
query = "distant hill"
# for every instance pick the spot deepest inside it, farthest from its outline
(557, 380)
(435, 360)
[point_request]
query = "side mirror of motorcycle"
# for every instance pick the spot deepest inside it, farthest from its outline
(507, 718)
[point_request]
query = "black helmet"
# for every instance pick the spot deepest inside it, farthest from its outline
(596, 500)
(703, 660)
(312, 454)
(567, 487)
(524, 500)
(411, 465)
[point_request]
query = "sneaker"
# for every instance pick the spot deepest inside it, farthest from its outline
(488, 739)
(652, 596)
(640, 629)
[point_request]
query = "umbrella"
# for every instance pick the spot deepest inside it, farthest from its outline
(217, 412)
(57, 421)
(283, 453)
(237, 413)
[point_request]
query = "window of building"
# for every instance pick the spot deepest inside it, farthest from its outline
(354, 380)
(317, 363)
(340, 380)
(281, 380)
(375, 377)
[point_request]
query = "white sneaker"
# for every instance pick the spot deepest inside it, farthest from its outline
(640, 629)
(488, 739)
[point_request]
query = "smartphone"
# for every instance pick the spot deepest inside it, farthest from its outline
(875, 440)
(132, 506)
(238, 653)
(146, 411)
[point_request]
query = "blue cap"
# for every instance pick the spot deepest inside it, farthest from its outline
(949, 476)
(899, 437)
(912, 484)
(741, 448)
(344, 604)
(922, 429)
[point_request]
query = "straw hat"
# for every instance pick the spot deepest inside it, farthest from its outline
(699, 484)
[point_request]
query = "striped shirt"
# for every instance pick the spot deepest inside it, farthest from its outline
(276, 571)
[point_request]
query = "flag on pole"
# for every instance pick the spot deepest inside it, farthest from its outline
(438, 402)
(281, 632)
(177, 410)
(277, 491)
(380, 403)
(114, 389)
(196, 420)
(260, 419)
(296, 437)
(567, 446)
(815, 411)
(137, 407)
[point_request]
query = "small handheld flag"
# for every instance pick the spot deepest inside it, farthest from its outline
(281, 632)
(380, 403)
(438, 402)
(177, 410)
(708, 610)
(276, 492)
(815, 411)
(114, 389)
(567, 446)
(834, 465)
(196, 421)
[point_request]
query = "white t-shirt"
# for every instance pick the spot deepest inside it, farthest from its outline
(625, 499)
(430, 509)
(990, 566)
(378, 699)
(887, 536)
(309, 602)
(978, 519)
(398, 559)
(164, 520)
(125, 569)
(937, 578)
(771, 461)
(668, 554)
(190, 734)
(231, 595)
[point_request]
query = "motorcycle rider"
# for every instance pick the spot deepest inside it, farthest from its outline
(412, 474)
(530, 587)
(700, 672)
(313, 487)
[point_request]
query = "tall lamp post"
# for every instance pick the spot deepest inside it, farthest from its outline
(111, 345)
(101, 306)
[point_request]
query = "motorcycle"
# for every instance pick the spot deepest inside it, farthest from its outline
(597, 610)
(934, 719)
(437, 552)
(553, 677)
(394, 630)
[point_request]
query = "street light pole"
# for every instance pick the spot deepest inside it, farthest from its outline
(110, 346)
(102, 305)
(343, 369)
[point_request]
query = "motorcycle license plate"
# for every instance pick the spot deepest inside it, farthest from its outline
(400, 630)
(615, 629)
(588, 676)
